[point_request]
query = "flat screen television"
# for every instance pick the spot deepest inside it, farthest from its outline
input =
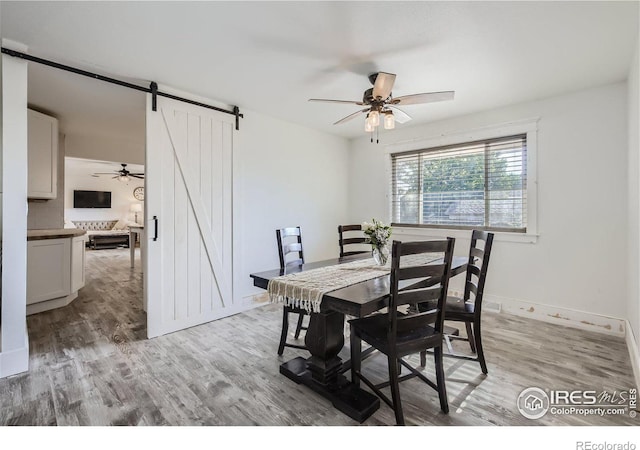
(91, 199)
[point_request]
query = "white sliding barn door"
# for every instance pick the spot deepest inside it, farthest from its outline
(188, 278)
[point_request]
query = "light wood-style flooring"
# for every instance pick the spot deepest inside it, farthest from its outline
(91, 364)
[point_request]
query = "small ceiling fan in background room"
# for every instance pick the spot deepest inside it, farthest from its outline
(382, 106)
(122, 175)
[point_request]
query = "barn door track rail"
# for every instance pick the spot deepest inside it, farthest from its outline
(152, 89)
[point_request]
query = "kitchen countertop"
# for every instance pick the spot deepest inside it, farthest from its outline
(37, 235)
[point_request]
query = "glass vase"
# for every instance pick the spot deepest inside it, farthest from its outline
(381, 255)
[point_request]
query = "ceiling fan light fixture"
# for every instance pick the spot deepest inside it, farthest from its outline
(389, 121)
(374, 117)
(379, 100)
(368, 127)
(124, 178)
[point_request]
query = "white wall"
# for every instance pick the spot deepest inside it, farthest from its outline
(121, 195)
(0, 163)
(14, 350)
(633, 273)
(576, 263)
(285, 175)
(1, 191)
(109, 148)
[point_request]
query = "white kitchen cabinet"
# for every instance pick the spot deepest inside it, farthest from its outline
(43, 156)
(48, 269)
(55, 271)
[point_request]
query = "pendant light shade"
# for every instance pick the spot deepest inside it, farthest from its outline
(374, 117)
(368, 127)
(389, 121)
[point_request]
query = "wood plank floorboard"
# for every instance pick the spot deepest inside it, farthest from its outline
(91, 364)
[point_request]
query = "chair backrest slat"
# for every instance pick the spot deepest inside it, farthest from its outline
(413, 248)
(358, 241)
(290, 231)
(476, 252)
(285, 248)
(349, 241)
(475, 270)
(407, 273)
(290, 248)
(416, 296)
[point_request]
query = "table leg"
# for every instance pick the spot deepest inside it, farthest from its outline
(132, 247)
(324, 340)
(356, 357)
(322, 372)
(143, 250)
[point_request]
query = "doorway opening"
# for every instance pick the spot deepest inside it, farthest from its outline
(98, 207)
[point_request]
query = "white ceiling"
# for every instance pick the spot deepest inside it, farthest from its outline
(271, 57)
(88, 107)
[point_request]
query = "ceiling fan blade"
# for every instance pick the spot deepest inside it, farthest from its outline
(428, 97)
(383, 85)
(400, 115)
(137, 176)
(326, 100)
(351, 116)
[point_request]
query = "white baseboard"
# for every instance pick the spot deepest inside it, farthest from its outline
(558, 315)
(39, 307)
(488, 305)
(634, 355)
(255, 301)
(546, 313)
(15, 361)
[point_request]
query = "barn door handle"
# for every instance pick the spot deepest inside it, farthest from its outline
(155, 228)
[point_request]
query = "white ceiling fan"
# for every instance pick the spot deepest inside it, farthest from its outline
(122, 174)
(381, 105)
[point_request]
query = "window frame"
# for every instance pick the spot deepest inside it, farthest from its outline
(528, 127)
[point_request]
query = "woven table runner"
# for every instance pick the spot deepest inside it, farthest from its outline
(305, 289)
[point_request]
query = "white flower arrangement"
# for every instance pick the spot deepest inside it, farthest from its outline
(378, 233)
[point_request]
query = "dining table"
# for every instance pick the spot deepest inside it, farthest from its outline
(323, 372)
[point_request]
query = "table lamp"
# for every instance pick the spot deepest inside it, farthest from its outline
(136, 208)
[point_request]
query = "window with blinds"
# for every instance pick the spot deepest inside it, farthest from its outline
(475, 185)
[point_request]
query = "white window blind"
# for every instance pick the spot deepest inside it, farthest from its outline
(475, 185)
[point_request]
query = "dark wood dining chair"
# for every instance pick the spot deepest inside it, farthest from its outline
(284, 236)
(346, 238)
(468, 309)
(397, 334)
